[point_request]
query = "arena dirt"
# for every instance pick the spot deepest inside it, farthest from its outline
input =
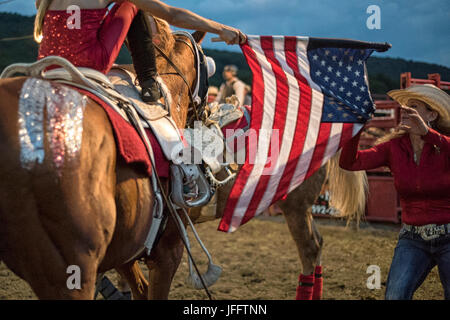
(260, 262)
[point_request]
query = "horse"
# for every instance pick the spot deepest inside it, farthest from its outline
(348, 191)
(87, 216)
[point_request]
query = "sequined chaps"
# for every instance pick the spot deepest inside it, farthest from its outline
(51, 114)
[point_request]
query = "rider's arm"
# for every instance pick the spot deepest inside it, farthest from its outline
(221, 93)
(239, 91)
(38, 2)
(186, 19)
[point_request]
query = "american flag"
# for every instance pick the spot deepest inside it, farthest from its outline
(310, 96)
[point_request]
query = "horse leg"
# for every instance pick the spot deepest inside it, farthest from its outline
(131, 272)
(304, 233)
(164, 261)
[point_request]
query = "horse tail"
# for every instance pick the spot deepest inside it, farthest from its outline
(348, 190)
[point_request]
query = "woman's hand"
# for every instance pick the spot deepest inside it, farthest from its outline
(412, 122)
(232, 36)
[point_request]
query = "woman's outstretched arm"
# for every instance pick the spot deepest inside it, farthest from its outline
(353, 160)
(186, 19)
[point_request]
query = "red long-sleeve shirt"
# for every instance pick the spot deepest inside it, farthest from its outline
(424, 189)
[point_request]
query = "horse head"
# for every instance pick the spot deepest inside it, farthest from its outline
(178, 67)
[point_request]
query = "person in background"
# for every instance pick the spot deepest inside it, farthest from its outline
(231, 86)
(248, 95)
(212, 93)
(418, 155)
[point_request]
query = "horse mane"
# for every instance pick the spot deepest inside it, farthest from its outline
(165, 34)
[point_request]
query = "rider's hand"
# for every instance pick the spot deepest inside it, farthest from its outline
(232, 36)
(412, 122)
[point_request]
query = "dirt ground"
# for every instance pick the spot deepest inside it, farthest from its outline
(260, 262)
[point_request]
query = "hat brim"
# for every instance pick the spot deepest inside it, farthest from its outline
(437, 101)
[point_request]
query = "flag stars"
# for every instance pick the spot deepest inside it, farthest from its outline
(365, 103)
(338, 74)
(345, 79)
(318, 73)
(362, 88)
(334, 58)
(323, 63)
(340, 63)
(326, 78)
(341, 89)
(349, 94)
(357, 73)
(330, 69)
(333, 84)
(360, 62)
(330, 115)
(354, 83)
(358, 98)
(327, 52)
(349, 68)
(315, 57)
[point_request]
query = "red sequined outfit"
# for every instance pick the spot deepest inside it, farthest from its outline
(96, 44)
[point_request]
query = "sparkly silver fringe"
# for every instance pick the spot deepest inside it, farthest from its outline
(63, 123)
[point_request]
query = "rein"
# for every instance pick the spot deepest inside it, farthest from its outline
(179, 73)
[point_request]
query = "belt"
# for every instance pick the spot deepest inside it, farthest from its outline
(429, 231)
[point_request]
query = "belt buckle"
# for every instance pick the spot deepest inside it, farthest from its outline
(431, 232)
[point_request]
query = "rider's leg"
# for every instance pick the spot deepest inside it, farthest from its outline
(143, 53)
(113, 32)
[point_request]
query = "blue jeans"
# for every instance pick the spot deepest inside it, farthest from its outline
(413, 260)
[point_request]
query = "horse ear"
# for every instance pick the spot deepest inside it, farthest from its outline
(199, 36)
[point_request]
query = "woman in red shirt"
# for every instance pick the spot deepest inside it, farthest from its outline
(418, 156)
(97, 41)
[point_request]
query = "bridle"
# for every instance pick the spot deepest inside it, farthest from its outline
(193, 104)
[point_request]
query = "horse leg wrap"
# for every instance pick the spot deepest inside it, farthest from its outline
(318, 283)
(305, 287)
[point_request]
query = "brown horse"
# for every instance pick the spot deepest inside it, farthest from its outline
(348, 191)
(95, 214)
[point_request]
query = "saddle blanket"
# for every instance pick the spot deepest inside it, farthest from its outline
(129, 144)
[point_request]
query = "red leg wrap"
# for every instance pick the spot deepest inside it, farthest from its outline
(305, 287)
(318, 283)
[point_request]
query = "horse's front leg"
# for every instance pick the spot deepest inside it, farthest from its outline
(164, 261)
(305, 234)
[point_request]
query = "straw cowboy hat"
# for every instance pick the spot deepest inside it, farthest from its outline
(436, 98)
